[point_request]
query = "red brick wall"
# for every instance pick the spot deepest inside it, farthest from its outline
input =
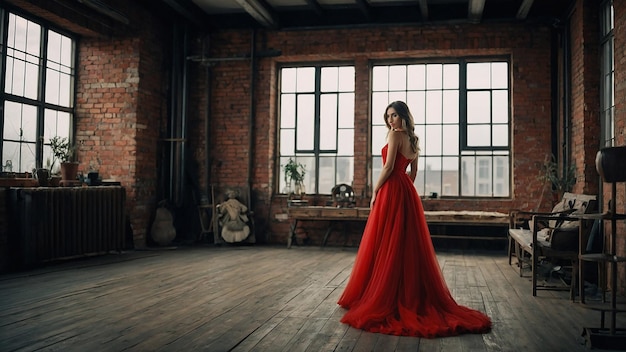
(585, 98)
(121, 108)
(528, 46)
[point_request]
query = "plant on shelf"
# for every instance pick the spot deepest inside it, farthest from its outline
(63, 151)
(294, 172)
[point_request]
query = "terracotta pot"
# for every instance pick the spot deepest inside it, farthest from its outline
(69, 171)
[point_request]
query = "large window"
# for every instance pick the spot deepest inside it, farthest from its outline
(608, 75)
(37, 98)
(317, 124)
(461, 111)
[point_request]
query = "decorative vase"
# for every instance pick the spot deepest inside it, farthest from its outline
(43, 176)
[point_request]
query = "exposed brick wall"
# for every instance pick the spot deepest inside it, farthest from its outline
(122, 95)
(528, 46)
(585, 97)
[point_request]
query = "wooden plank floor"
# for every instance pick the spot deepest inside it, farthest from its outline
(259, 298)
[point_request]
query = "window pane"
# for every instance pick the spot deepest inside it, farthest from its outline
(451, 76)
(450, 177)
(416, 77)
(434, 140)
(379, 139)
(434, 106)
(346, 110)
(397, 77)
(327, 175)
(451, 138)
(330, 79)
(478, 135)
(288, 80)
(451, 106)
(52, 87)
(20, 156)
(328, 122)
(499, 75)
(478, 75)
(31, 74)
(478, 107)
(287, 142)
(380, 78)
(417, 104)
(56, 123)
(345, 167)
(305, 79)
(434, 76)
(500, 106)
(432, 175)
(377, 166)
(305, 122)
(346, 142)
(346, 79)
(467, 176)
(379, 103)
(288, 111)
(500, 135)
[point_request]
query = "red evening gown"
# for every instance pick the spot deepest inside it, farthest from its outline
(396, 286)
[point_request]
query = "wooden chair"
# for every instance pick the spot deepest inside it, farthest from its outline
(553, 237)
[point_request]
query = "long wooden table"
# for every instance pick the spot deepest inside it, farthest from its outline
(336, 215)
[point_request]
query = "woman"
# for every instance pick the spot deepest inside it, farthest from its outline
(396, 286)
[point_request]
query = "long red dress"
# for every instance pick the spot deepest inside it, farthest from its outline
(396, 286)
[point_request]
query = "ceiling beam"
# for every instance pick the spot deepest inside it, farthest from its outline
(313, 4)
(365, 8)
(259, 12)
(524, 8)
(423, 9)
(186, 9)
(105, 9)
(475, 10)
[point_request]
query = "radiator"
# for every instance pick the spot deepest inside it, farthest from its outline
(56, 223)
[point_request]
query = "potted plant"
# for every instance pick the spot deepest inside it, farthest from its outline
(294, 172)
(561, 181)
(63, 151)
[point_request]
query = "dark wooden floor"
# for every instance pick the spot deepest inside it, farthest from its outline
(259, 299)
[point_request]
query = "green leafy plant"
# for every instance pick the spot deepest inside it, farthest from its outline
(294, 171)
(62, 150)
(561, 180)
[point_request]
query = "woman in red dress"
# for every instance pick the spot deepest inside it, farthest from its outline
(396, 286)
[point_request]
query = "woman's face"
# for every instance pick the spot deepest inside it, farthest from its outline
(393, 119)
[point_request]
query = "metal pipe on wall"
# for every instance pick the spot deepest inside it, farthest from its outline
(251, 118)
(177, 124)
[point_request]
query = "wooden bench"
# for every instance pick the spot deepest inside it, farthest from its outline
(335, 215)
(555, 235)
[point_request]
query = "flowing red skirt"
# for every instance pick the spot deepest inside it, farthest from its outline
(396, 286)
